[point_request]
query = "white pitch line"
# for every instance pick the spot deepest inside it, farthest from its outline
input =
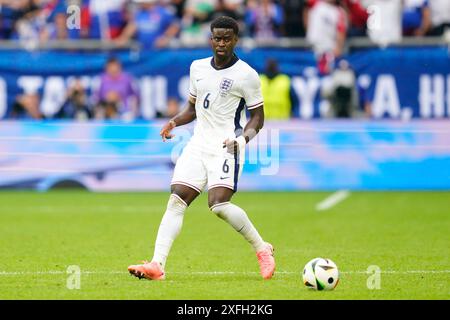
(212, 273)
(332, 200)
(97, 209)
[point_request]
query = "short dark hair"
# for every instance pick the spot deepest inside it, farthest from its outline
(225, 22)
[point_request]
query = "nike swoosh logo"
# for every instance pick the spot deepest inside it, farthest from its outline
(222, 178)
(199, 80)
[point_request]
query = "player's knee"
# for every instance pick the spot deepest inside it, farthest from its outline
(217, 198)
(212, 201)
(218, 206)
(176, 203)
(186, 194)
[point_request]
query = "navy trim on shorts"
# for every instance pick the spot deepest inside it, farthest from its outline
(236, 170)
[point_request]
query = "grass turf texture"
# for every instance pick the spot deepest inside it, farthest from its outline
(404, 233)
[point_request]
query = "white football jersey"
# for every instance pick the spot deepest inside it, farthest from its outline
(221, 99)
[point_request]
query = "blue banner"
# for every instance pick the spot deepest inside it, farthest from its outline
(397, 83)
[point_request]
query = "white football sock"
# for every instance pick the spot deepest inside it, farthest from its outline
(169, 228)
(239, 220)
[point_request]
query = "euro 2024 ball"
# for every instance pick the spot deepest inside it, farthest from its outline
(321, 274)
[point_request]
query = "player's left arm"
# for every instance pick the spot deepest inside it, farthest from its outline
(252, 94)
(254, 124)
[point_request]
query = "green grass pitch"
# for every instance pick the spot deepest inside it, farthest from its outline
(405, 234)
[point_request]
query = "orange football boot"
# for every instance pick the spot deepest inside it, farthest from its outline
(148, 270)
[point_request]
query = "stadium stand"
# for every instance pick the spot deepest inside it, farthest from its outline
(89, 32)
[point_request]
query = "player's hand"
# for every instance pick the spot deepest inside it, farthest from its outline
(165, 131)
(235, 146)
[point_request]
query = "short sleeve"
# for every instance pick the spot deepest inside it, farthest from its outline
(252, 91)
(192, 83)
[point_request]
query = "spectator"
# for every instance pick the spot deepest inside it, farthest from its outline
(102, 19)
(343, 98)
(76, 106)
(440, 17)
(196, 18)
(416, 19)
(153, 24)
(293, 18)
(178, 7)
(57, 29)
(385, 21)
(173, 107)
(116, 96)
(277, 93)
(326, 31)
(42, 20)
(11, 12)
(230, 8)
(107, 109)
(264, 19)
(358, 16)
(30, 24)
(26, 106)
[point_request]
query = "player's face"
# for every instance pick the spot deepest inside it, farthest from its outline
(223, 42)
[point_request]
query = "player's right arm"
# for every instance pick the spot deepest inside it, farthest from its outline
(187, 115)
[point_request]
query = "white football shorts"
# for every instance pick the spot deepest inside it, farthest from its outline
(197, 169)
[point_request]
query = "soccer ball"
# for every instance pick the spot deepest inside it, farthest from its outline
(321, 274)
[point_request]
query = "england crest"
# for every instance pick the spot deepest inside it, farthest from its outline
(225, 86)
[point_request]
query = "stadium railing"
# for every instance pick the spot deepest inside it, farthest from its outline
(246, 42)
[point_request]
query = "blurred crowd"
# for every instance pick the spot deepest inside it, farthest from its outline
(325, 24)
(116, 97)
(155, 22)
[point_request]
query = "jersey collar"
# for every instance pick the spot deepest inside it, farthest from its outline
(233, 60)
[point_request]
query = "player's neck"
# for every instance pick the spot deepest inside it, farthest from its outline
(219, 63)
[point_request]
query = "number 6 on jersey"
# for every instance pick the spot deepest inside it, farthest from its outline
(206, 101)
